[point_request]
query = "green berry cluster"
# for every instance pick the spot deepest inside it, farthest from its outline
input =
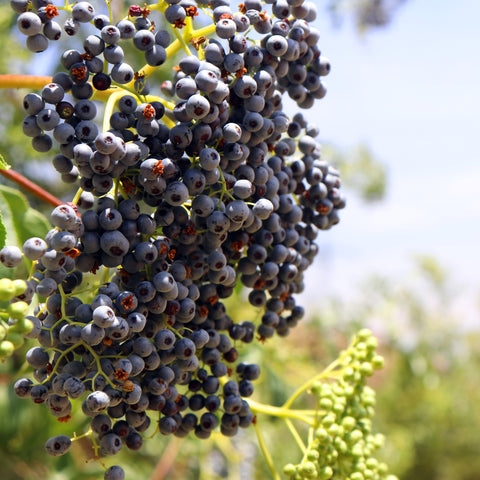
(341, 444)
(14, 324)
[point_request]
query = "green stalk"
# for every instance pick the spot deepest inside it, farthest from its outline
(295, 435)
(280, 412)
(327, 373)
(266, 453)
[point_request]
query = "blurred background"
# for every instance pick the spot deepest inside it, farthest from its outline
(401, 120)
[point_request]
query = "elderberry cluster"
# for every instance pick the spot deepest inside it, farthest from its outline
(201, 181)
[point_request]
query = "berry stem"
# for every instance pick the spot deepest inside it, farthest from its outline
(327, 372)
(295, 435)
(110, 105)
(109, 6)
(281, 412)
(76, 198)
(265, 452)
(204, 31)
(31, 187)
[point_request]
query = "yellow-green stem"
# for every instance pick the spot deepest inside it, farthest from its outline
(295, 435)
(265, 452)
(280, 412)
(76, 198)
(326, 373)
(111, 102)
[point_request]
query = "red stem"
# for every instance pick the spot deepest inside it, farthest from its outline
(31, 187)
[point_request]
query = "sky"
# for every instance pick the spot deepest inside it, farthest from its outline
(410, 92)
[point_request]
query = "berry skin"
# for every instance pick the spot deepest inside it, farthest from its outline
(22, 388)
(58, 445)
(114, 473)
(83, 12)
(29, 23)
(110, 444)
(10, 256)
(97, 401)
(64, 217)
(114, 243)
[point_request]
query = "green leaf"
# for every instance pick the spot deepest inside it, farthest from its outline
(19, 222)
(3, 232)
(27, 222)
(3, 164)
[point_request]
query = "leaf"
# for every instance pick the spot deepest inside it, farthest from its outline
(3, 232)
(26, 221)
(3, 164)
(19, 222)
(35, 224)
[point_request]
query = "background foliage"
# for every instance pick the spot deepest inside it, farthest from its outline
(427, 396)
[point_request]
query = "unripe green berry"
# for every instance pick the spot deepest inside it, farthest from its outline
(372, 343)
(7, 289)
(335, 430)
(348, 423)
(378, 362)
(326, 473)
(333, 455)
(326, 404)
(322, 436)
(3, 331)
(308, 469)
(366, 425)
(349, 391)
(364, 334)
(338, 390)
(328, 420)
(289, 469)
(367, 473)
(367, 369)
(361, 346)
(341, 446)
(348, 374)
(313, 455)
(360, 466)
(391, 477)
(338, 408)
(316, 388)
(18, 310)
(356, 476)
(6, 348)
(20, 286)
(15, 338)
(22, 326)
(368, 399)
(355, 436)
(356, 451)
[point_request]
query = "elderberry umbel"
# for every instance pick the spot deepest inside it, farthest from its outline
(201, 182)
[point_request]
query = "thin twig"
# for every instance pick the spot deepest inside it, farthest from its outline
(31, 187)
(167, 459)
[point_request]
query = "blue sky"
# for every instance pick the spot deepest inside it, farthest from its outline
(410, 91)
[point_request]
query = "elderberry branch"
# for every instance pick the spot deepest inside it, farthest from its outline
(265, 452)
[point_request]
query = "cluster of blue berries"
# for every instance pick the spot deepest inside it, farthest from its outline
(185, 192)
